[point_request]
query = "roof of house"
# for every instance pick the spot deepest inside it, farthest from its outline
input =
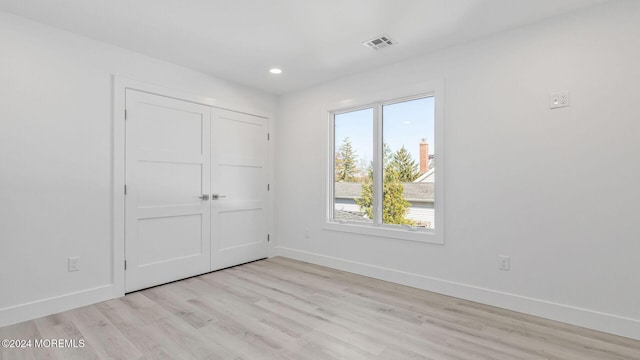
(415, 191)
(429, 176)
(347, 190)
(348, 216)
(421, 191)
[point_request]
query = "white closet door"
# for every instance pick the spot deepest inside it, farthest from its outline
(239, 188)
(167, 225)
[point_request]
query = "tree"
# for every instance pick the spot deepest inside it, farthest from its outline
(346, 162)
(395, 206)
(405, 166)
(365, 202)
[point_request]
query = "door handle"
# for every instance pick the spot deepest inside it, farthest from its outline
(204, 197)
(217, 197)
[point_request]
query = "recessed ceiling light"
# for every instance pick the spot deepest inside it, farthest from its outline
(275, 71)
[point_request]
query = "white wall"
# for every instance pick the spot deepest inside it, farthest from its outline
(557, 190)
(56, 154)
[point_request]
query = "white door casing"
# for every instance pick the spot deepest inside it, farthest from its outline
(167, 169)
(239, 188)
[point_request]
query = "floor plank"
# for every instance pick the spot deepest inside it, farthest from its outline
(285, 309)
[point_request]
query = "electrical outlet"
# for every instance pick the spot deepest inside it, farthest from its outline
(558, 100)
(73, 264)
(504, 262)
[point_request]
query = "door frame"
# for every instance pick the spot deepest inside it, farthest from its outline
(120, 85)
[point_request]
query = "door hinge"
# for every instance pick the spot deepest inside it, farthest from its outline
(125, 264)
(268, 187)
(268, 136)
(125, 189)
(125, 114)
(268, 237)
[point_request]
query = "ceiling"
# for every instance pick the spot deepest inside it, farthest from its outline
(313, 41)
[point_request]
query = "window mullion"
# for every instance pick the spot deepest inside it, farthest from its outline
(377, 165)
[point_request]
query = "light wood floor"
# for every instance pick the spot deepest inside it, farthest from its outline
(285, 309)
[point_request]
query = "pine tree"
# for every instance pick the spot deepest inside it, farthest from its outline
(395, 206)
(405, 166)
(387, 155)
(365, 202)
(346, 162)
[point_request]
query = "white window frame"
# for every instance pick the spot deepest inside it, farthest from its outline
(377, 228)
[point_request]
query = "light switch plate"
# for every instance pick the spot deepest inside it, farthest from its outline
(73, 264)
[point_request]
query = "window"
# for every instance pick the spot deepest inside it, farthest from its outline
(383, 169)
(353, 164)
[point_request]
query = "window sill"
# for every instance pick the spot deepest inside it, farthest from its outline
(423, 236)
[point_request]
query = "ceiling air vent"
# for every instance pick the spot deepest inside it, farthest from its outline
(379, 42)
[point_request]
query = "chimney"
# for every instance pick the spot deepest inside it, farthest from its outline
(424, 156)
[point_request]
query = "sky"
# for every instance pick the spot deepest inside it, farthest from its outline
(405, 123)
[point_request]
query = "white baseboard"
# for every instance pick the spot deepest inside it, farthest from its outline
(595, 320)
(32, 310)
